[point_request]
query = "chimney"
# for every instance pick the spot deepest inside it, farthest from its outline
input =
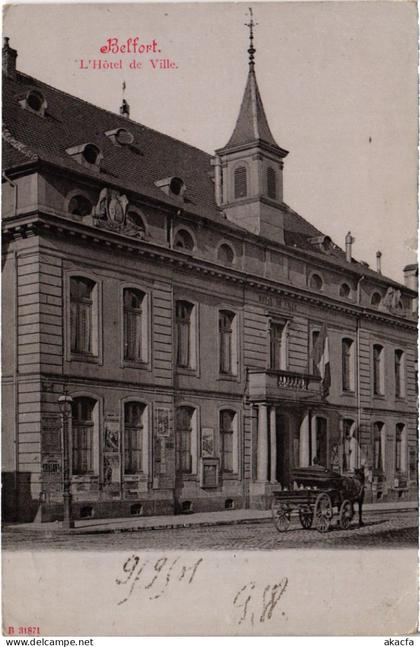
(125, 109)
(349, 242)
(411, 276)
(218, 188)
(9, 59)
(378, 262)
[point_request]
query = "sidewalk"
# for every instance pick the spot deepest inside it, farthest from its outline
(223, 517)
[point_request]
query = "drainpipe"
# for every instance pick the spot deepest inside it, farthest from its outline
(16, 357)
(359, 414)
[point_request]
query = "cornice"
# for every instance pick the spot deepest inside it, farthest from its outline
(38, 223)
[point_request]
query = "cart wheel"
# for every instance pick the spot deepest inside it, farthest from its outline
(306, 517)
(323, 512)
(346, 514)
(281, 516)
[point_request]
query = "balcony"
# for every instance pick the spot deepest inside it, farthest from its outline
(283, 385)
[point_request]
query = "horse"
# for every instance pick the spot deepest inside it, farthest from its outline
(354, 489)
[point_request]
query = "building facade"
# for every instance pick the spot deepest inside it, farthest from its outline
(210, 338)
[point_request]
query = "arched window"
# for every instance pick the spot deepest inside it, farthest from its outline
(375, 299)
(227, 425)
(185, 424)
(225, 254)
(134, 325)
(271, 183)
(80, 206)
(227, 342)
(399, 373)
(82, 315)
(240, 182)
(378, 369)
(133, 437)
(183, 240)
(82, 435)
(345, 290)
(347, 355)
(315, 282)
(378, 447)
(185, 334)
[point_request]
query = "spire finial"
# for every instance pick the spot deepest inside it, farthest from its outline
(251, 51)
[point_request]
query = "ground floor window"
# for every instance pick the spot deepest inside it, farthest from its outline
(82, 435)
(184, 431)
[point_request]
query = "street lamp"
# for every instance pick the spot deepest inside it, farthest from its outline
(64, 402)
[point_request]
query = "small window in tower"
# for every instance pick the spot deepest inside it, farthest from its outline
(271, 183)
(240, 182)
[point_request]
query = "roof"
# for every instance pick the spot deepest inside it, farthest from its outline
(251, 124)
(70, 121)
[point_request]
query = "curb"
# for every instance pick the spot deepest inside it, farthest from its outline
(174, 526)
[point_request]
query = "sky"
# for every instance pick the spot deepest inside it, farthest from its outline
(338, 81)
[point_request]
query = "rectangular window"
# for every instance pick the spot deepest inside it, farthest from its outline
(347, 364)
(133, 437)
(321, 442)
(184, 334)
(347, 444)
(399, 373)
(378, 448)
(82, 434)
(81, 314)
(277, 346)
(184, 430)
(227, 420)
(378, 378)
(314, 339)
(133, 325)
(227, 342)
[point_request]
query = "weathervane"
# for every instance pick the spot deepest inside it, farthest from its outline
(251, 51)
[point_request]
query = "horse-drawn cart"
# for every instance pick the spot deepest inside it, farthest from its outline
(317, 495)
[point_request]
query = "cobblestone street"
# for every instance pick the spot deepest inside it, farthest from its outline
(385, 529)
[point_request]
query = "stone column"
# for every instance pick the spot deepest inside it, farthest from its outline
(304, 458)
(262, 444)
(273, 445)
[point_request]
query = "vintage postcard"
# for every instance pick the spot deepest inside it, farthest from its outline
(209, 319)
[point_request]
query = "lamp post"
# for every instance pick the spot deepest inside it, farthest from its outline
(64, 402)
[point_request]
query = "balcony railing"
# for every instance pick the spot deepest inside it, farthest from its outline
(272, 384)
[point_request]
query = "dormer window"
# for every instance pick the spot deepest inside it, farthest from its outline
(35, 101)
(88, 155)
(240, 182)
(271, 183)
(120, 136)
(172, 186)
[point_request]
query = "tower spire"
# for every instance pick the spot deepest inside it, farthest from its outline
(251, 50)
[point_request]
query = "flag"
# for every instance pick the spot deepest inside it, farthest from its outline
(322, 359)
